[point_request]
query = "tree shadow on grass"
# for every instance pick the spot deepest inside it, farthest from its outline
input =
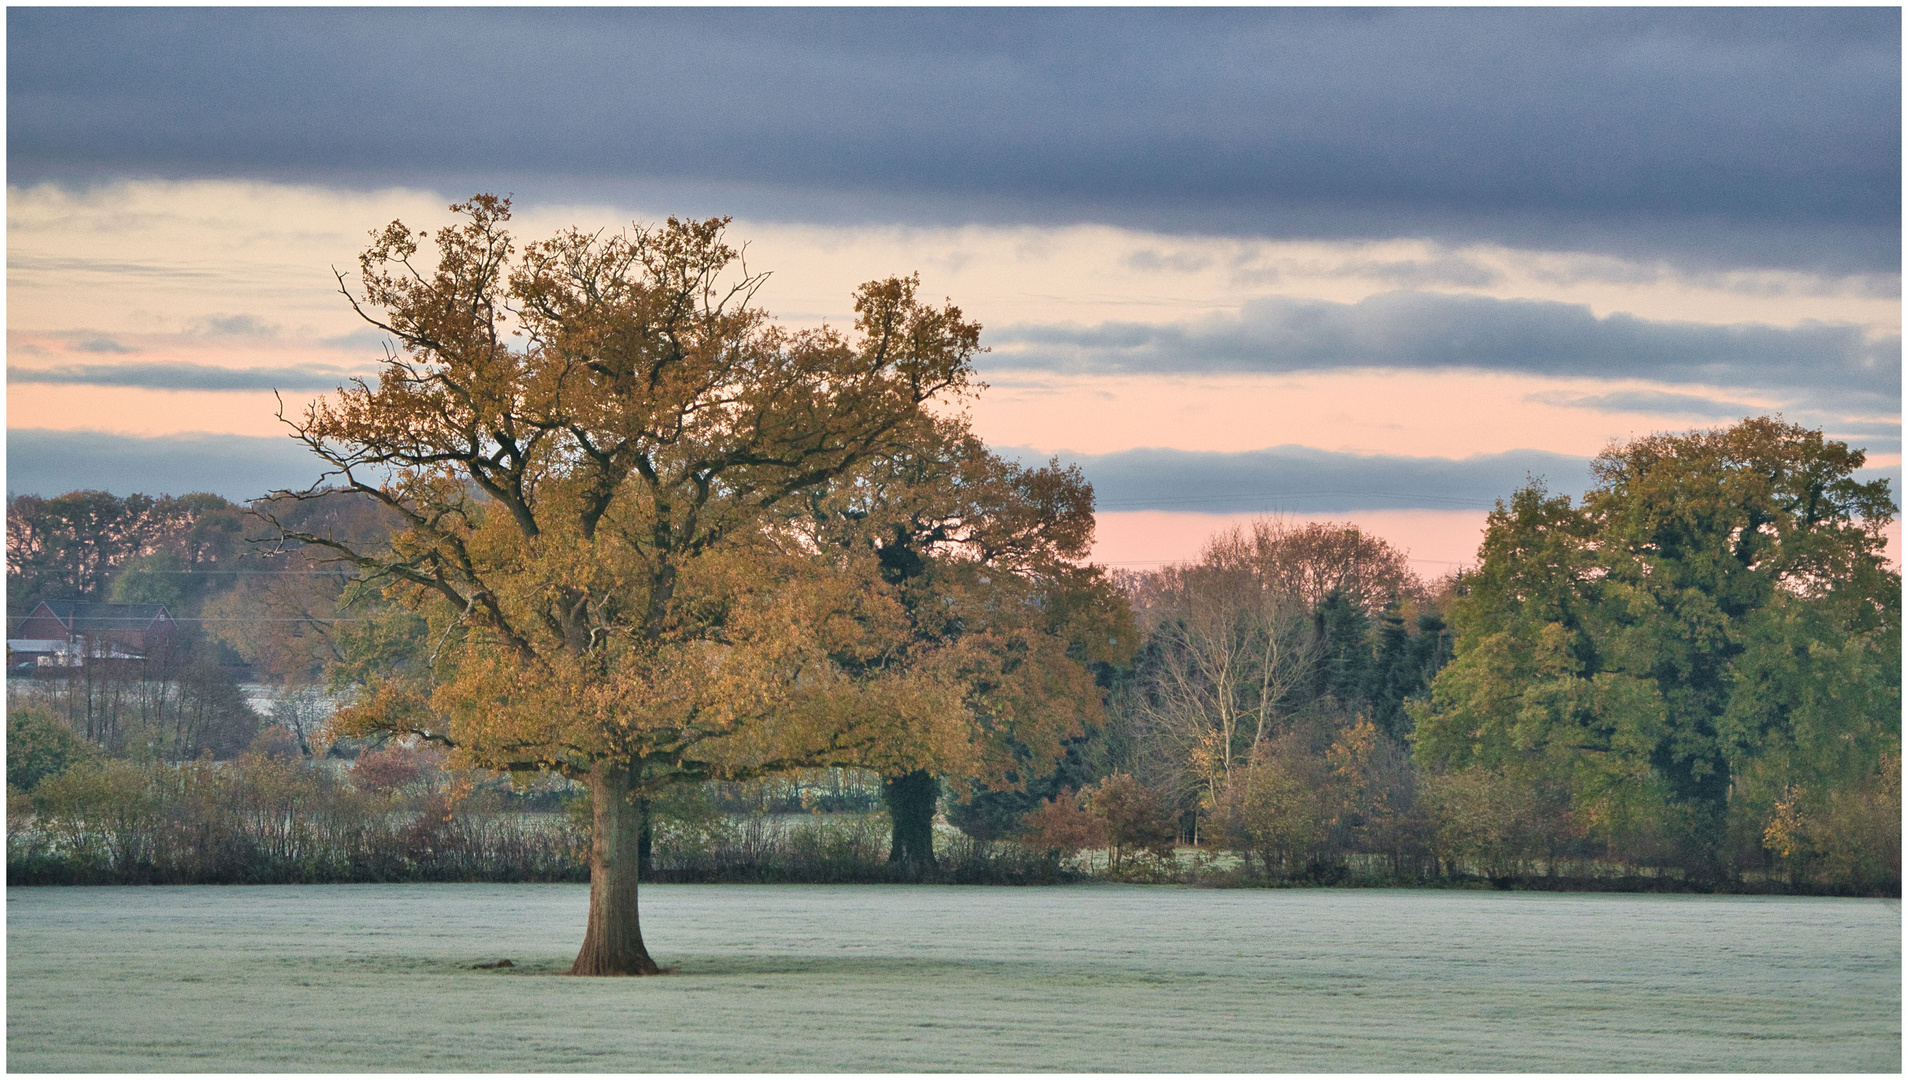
(715, 971)
(848, 963)
(717, 968)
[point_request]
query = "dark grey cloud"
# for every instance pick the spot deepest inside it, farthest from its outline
(98, 345)
(1300, 479)
(186, 376)
(239, 467)
(1303, 480)
(1435, 330)
(1711, 136)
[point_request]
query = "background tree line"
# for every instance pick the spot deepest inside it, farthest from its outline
(1294, 702)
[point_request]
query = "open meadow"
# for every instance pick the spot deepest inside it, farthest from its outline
(920, 978)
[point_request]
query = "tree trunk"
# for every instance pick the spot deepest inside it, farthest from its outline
(613, 941)
(645, 842)
(910, 800)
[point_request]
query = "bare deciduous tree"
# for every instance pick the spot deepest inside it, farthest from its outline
(1233, 639)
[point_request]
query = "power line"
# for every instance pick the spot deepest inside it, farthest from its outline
(306, 573)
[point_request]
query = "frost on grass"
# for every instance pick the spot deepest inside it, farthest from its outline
(898, 978)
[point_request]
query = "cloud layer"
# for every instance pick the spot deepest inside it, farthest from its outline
(1302, 480)
(1280, 479)
(1285, 478)
(181, 376)
(239, 467)
(1298, 479)
(1727, 137)
(1433, 330)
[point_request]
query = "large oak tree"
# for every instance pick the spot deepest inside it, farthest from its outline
(592, 443)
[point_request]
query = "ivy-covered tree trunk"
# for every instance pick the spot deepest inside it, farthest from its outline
(613, 940)
(910, 798)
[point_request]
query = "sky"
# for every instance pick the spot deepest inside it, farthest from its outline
(1370, 265)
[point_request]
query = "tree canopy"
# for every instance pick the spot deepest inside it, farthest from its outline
(92, 545)
(1714, 629)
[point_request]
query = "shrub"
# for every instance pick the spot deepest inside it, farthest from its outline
(1281, 806)
(39, 746)
(1061, 828)
(1848, 839)
(1493, 824)
(266, 819)
(1138, 818)
(392, 767)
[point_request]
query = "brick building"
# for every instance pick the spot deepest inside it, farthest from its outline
(68, 633)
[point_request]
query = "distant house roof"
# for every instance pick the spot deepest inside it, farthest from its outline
(71, 627)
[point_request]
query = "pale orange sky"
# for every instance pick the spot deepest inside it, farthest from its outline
(238, 275)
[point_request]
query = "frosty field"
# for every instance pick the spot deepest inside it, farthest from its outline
(853, 978)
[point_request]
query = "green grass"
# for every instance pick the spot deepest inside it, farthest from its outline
(913, 978)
